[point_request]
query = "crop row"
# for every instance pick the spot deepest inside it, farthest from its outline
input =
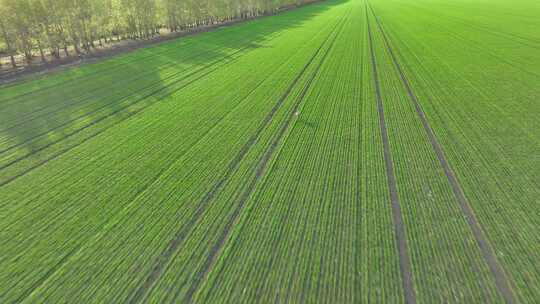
(27, 141)
(446, 262)
(478, 91)
(154, 167)
(348, 151)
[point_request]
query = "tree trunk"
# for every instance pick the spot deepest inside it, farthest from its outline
(13, 63)
(56, 53)
(28, 56)
(8, 44)
(41, 53)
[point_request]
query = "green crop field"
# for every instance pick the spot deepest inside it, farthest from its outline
(382, 151)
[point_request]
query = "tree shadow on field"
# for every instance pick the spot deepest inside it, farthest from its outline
(57, 112)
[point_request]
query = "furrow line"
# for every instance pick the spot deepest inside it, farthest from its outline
(399, 227)
(259, 172)
(97, 110)
(163, 260)
(501, 280)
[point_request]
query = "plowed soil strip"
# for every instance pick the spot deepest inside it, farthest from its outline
(399, 228)
(503, 285)
(181, 234)
(260, 171)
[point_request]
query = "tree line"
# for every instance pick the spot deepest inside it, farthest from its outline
(58, 27)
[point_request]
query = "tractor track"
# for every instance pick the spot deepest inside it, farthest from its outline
(216, 250)
(44, 278)
(162, 262)
(160, 173)
(399, 227)
(501, 280)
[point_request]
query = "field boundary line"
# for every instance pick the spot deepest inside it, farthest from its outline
(216, 250)
(129, 115)
(399, 226)
(162, 262)
(501, 280)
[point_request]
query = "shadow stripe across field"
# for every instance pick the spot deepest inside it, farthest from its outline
(129, 115)
(154, 50)
(82, 100)
(97, 110)
(162, 171)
